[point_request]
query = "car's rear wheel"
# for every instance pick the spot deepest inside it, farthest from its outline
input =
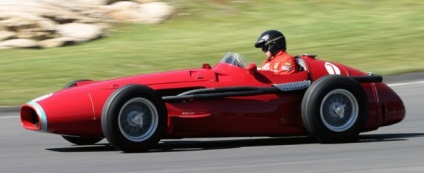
(134, 118)
(335, 109)
(80, 140)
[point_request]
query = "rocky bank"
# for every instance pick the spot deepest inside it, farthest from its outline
(54, 23)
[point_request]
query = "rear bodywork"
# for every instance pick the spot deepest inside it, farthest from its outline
(224, 100)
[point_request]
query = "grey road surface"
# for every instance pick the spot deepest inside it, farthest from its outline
(397, 148)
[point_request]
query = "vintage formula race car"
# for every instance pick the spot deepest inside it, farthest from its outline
(329, 101)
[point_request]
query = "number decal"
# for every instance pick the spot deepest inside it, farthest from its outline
(332, 69)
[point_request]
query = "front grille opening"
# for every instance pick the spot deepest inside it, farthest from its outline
(30, 119)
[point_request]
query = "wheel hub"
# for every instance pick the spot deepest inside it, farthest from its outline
(338, 110)
(135, 119)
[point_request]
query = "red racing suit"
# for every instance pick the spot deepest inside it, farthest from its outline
(280, 63)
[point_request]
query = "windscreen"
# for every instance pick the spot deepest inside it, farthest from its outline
(233, 59)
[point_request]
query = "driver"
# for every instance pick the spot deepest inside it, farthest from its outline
(273, 44)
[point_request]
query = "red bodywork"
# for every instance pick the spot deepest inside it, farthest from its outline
(77, 111)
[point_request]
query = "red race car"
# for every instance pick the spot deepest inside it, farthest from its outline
(329, 101)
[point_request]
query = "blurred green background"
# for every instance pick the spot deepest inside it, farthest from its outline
(382, 36)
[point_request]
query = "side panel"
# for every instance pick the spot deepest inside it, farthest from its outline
(192, 119)
(265, 115)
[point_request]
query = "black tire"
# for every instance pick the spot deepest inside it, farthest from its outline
(335, 109)
(134, 118)
(80, 140)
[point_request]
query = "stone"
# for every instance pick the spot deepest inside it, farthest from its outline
(5, 35)
(143, 1)
(92, 2)
(155, 12)
(19, 43)
(86, 32)
(124, 5)
(56, 42)
(149, 13)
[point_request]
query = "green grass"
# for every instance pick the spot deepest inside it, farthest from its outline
(382, 36)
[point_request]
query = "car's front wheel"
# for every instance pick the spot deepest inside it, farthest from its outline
(134, 118)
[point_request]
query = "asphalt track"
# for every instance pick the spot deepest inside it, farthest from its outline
(397, 148)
